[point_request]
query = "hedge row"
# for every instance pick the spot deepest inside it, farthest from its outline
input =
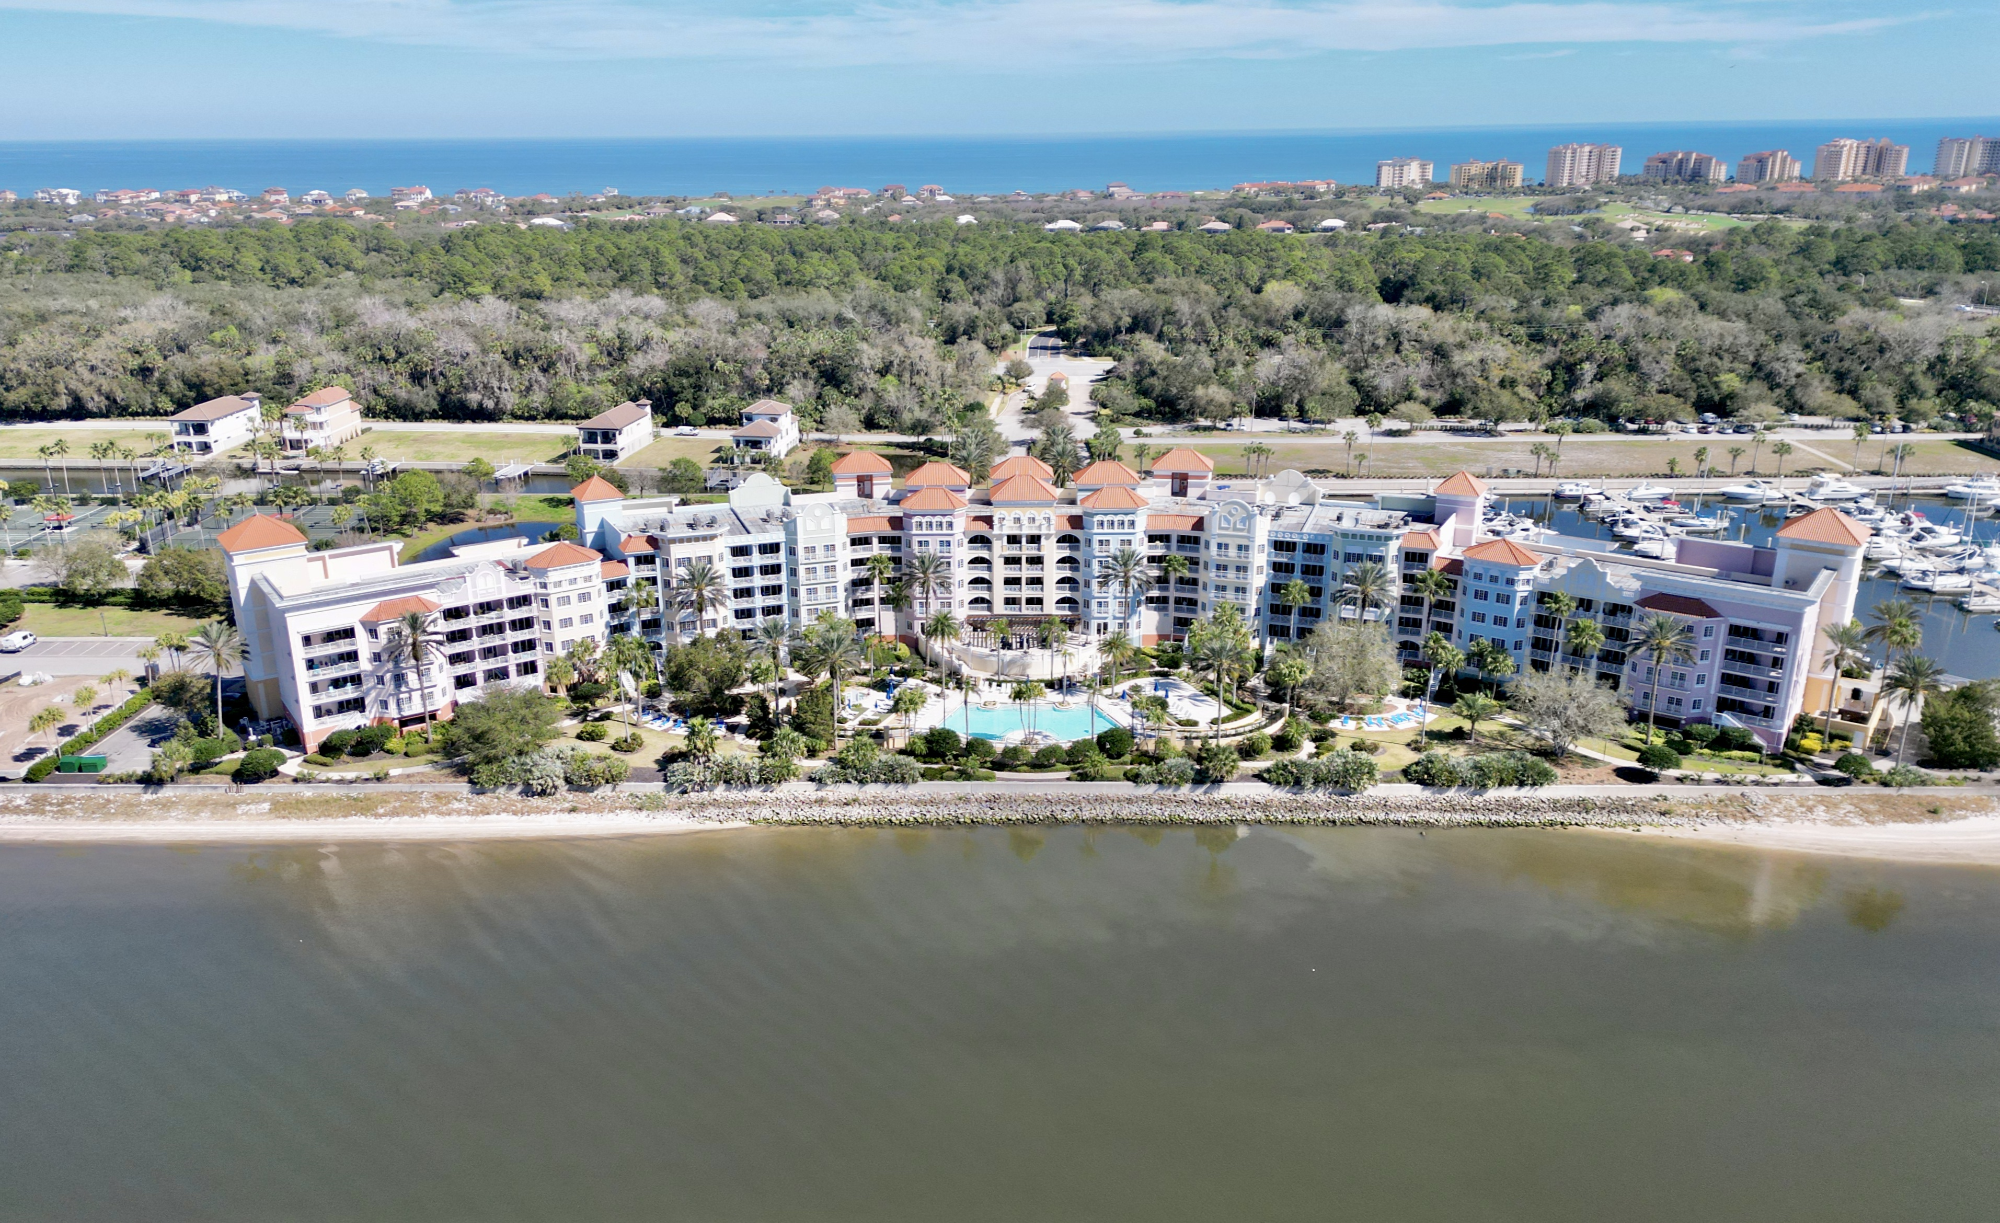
(89, 738)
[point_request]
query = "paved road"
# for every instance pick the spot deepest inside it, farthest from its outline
(78, 655)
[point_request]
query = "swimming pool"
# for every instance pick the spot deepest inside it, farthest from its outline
(1079, 721)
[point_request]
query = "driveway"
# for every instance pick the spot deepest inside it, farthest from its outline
(129, 749)
(1045, 355)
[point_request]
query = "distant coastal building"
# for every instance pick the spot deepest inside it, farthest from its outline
(1964, 156)
(1770, 166)
(1502, 175)
(1579, 165)
(770, 427)
(1681, 166)
(1839, 160)
(1399, 172)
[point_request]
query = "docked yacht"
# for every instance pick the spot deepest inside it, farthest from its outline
(1648, 492)
(1827, 487)
(1980, 604)
(1577, 490)
(1982, 489)
(1757, 492)
(1658, 549)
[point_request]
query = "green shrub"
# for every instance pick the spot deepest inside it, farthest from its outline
(41, 768)
(1014, 757)
(940, 743)
(1050, 757)
(628, 743)
(1494, 770)
(1286, 742)
(1904, 775)
(1116, 743)
(1254, 746)
(1435, 769)
(337, 743)
(318, 760)
(1854, 764)
(977, 749)
(208, 751)
(1659, 756)
(1701, 733)
(1344, 771)
(369, 740)
(592, 732)
(1319, 734)
(1215, 762)
(259, 765)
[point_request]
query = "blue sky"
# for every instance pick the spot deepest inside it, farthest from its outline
(194, 68)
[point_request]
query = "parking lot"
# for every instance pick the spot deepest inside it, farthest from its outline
(77, 655)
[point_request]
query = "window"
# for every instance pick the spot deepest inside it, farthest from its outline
(1479, 617)
(1704, 655)
(1707, 630)
(566, 622)
(589, 619)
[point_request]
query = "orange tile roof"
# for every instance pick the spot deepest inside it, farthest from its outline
(932, 500)
(978, 522)
(875, 522)
(325, 397)
(633, 544)
(1464, 484)
(1827, 526)
(597, 488)
(1113, 497)
(614, 569)
(558, 555)
(1071, 522)
(259, 531)
(938, 475)
(1024, 490)
(861, 463)
(1107, 471)
(1181, 459)
(1020, 465)
(1502, 552)
(396, 609)
(1173, 522)
(1421, 539)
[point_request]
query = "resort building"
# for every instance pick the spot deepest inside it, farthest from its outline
(1966, 156)
(1843, 159)
(1770, 166)
(1399, 172)
(325, 418)
(218, 424)
(1499, 175)
(1579, 165)
(769, 428)
(325, 634)
(1683, 166)
(624, 430)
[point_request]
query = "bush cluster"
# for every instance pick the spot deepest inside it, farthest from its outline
(258, 765)
(591, 732)
(860, 762)
(1350, 771)
(1489, 770)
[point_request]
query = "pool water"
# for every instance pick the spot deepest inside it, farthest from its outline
(1079, 721)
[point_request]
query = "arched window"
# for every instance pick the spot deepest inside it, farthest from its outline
(1068, 541)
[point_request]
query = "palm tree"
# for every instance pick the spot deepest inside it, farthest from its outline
(1124, 571)
(1445, 659)
(698, 590)
(1475, 707)
(1757, 441)
(560, 674)
(1673, 466)
(830, 648)
(1050, 633)
(942, 627)
(1288, 670)
(1116, 648)
(1668, 640)
(1562, 605)
(879, 568)
(221, 649)
(1025, 694)
(1846, 646)
(1898, 626)
(1434, 587)
(1911, 678)
(1348, 439)
(174, 643)
(1366, 586)
(1782, 449)
(1489, 658)
(60, 449)
(772, 638)
(415, 638)
(1735, 453)
(699, 740)
(1221, 653)
(46, 719)
(1586, 638)
(929, 576)
(1295, 594)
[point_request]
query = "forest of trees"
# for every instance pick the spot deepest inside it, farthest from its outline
(895, 326)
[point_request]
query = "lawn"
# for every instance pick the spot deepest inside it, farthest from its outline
(22, 441)
(49, 620)
(666, 449)
(462, 446)
(1513, 205)
(1585, 457)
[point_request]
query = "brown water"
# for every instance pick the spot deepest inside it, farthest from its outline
(1064, 1025)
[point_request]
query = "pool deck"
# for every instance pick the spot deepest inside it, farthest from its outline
(949, 709)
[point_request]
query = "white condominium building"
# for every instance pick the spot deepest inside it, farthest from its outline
(1842, 159)
(1964, 157)
(1579, 165)
(1399, 172)
(1769, 166)
(1683, 166)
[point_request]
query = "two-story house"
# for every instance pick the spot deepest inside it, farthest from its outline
(769, 427)
(217, 424)
(325, 418)
(623, 431)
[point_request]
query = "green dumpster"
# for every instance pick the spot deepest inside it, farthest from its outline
(81, 764)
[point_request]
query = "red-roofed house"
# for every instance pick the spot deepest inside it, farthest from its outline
(326, 418)
(861, 473)
(769, 427)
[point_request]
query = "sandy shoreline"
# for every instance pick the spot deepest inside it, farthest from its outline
(1961, 829)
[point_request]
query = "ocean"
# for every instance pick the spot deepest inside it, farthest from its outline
(966, 166)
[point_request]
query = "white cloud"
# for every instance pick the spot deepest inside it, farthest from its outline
(985, 33)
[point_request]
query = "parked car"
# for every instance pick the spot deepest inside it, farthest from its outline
(15, 642)
(685, 431)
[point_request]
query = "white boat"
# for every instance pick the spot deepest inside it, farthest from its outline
(1649, 492)
(1694, 524)
(1931, 537)
(1951, 583)
(1756, 492)
(1655, 549)
(1980, 604)
(1829, 487)
(1574, 490)
(1978, 488)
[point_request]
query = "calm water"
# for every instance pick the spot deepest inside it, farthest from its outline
(1079, 721)
(441, 550)
(977, 1025)
(1967, 645)
(978, 164)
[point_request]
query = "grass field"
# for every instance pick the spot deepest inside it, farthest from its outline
(462, 446)
(665, 450)
(1584, 457)
(48, 620)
